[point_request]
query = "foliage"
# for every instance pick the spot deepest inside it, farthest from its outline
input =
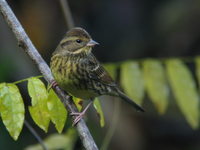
(39, 111)
(11, 109)
(158, 78)
(97, 106)
(57, 111)
(156, 84)
(184, 89)
(132, 80)
(46, 107)
(152, 76)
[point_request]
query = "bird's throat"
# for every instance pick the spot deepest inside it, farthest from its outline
(82, 52)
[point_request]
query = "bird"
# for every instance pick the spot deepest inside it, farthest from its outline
(78, 72)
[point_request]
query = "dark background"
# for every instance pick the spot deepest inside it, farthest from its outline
(125, 29)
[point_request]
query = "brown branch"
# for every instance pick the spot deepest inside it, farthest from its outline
(31, 51)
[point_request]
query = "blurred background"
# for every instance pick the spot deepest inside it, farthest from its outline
(126, 30)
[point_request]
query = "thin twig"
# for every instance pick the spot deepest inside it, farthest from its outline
(35, 134)
(113, 125)
(67, 13)
(26, 44)
(23, 80)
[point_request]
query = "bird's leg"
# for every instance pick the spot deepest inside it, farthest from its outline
(79, 115)
(52, 84)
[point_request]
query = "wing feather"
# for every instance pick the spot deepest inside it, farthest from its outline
(98, 73)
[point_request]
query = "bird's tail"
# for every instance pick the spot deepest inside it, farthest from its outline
(131, 102)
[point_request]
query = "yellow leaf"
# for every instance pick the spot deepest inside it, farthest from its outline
(132, 81)
(39, 111)
(98, 108)
(156, 84)
(78, 102)
(184, 89)
(12, 109)
(57, 111)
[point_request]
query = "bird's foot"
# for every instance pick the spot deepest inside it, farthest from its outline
(79, 115)
(53, 84)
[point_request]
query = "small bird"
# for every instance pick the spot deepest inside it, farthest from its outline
(77, 71)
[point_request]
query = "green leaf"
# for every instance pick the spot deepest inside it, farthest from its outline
(184, 89)
(156, 84)
(12, 109)
(78, 102)
(97, 106)
(57, 111)
(132, 81)
(111, 68)
(39, 111)
(58, 141)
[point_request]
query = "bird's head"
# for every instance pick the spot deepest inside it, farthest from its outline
(77, 40)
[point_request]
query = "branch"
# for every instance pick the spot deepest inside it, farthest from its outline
(35, 134)
(67, 13)
(29, 48)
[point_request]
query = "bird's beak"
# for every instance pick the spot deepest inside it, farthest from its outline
(92, 43)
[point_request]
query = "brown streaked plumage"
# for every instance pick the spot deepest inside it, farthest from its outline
(77, 70)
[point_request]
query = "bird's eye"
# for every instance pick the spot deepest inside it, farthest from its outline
(78, 41)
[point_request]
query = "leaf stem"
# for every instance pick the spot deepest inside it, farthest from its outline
(23, 80)
(162, 59)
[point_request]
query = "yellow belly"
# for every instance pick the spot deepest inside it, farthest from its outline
(83, 94)
(79, 93)
(68, 85)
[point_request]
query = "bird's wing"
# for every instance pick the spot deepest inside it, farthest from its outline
(98, 73)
